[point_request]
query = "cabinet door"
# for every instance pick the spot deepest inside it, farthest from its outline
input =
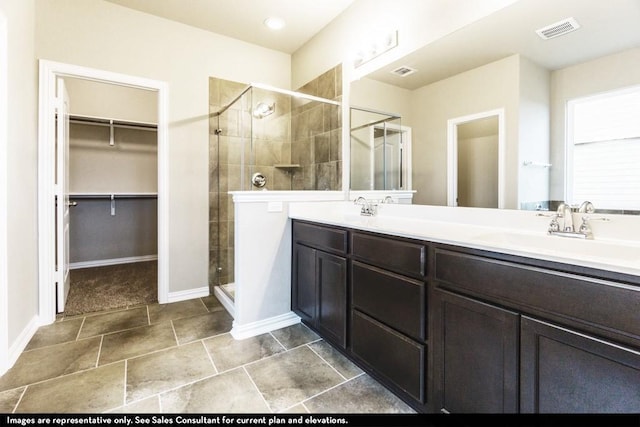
(331, 314)
(566, 372)
(475, 356)
(303, 289)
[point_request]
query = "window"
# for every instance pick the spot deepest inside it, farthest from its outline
(603, 150)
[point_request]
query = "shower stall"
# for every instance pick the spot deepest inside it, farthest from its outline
(380, 152)
(265, 139)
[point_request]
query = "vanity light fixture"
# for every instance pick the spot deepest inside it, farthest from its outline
(274, 23)
(378, 44)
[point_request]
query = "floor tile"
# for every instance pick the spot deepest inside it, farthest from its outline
(228, 353)
(212, 303)
(114, 321)
(229, 392)
(176, 310)
(136, 342)
(333, 357)
(287, 379)
(167, 369)
(202, 326)
(360, 395)
(294, 336)
(298, 409)
(50, 362)
(9, 399)
(93, 391)
(150, 405)
(56, 333)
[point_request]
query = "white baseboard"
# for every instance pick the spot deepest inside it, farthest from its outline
(112, 261)
(188, 294)
(249, 330)
(18, 346)
(224, 299)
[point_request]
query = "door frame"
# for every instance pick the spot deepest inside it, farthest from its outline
(4, 238)
(452, 154)
(49, 72)
(406, 171)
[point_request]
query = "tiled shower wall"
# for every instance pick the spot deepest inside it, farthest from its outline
(316, 135)
(296, 148)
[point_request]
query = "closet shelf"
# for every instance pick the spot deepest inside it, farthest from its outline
(115, 195)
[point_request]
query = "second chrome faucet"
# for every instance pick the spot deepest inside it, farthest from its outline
(562, 222)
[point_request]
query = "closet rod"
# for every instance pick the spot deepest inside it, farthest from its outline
(115, 195)
(98, 121)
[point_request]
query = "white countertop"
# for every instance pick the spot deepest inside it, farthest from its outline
(615, 247)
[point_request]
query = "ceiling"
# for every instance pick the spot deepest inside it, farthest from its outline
(603, 30)
(243, 19)
(511, 30)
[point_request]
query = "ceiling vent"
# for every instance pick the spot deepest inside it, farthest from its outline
(403, 71)
(558, 29)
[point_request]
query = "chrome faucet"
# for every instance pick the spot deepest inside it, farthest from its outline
(368, 208)
(565, 212)
(567, 229)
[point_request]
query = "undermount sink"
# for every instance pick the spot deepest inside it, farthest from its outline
(562, 246)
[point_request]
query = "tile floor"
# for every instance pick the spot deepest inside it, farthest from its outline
(180, 358)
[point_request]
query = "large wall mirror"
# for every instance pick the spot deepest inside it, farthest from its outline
(530, 59)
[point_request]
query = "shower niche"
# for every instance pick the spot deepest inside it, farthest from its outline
(267, 139)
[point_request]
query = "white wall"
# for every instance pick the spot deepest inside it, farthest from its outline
(110, 101)
(493, 86)
(21, 175)
(369, 93)
(102, 35)
(534, 132)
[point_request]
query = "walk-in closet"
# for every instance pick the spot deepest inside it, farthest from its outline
(113, 222)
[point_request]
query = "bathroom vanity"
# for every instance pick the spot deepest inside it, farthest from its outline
(461, 325)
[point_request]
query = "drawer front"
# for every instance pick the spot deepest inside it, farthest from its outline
(400, 256)
(607, 306)
(327, 238)
(393, 356)
(395, 300)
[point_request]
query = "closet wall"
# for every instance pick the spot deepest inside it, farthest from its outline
(112, 174)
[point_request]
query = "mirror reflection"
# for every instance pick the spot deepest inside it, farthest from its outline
(379, 151)
(502, 63)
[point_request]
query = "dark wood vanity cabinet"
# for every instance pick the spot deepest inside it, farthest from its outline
(563, 371)
(319, 285)
(388, 311)
(475, 366)
(460, 330)
(511, 337)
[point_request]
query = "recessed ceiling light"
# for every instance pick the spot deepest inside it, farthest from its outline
(274, 23)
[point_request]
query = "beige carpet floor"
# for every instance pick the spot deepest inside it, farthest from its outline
(112, 287)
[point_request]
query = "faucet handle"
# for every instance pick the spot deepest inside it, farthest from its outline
(554, 226)
(586, 207)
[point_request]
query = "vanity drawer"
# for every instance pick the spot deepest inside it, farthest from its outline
(393, 356)
(606, 307)
(395, 300)
(321, 237)
(404, 257)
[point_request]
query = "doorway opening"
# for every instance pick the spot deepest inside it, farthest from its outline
(111, 188)
(476, 160)
(112, 175)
